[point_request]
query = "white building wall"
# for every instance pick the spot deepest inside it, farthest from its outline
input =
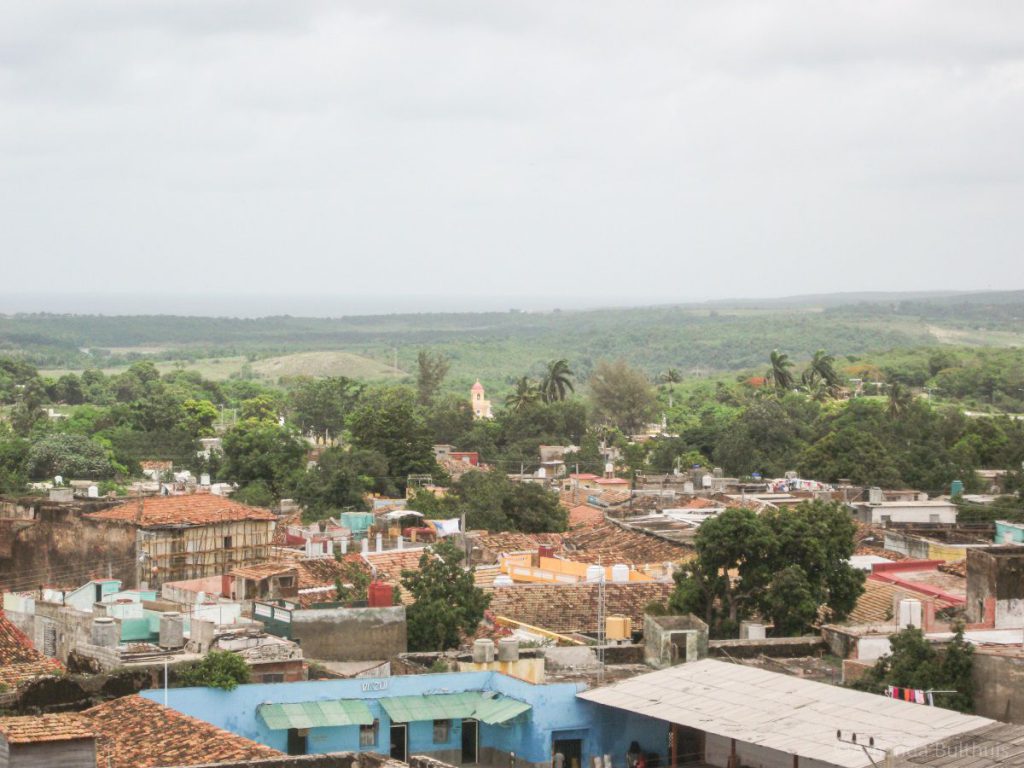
(909, 514)
(718, 748)
(873, 648)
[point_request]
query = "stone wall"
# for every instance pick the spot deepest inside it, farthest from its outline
(44, 542)
(998, 686)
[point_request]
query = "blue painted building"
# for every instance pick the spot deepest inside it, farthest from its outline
(460, 718)
(1009, 533)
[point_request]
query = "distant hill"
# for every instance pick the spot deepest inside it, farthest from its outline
(717, 336)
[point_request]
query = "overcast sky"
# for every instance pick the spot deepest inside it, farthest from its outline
(572, 150)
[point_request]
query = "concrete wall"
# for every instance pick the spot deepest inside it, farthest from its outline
(998, 686)
(996, 574)
(56, 535)
(774, 647)
(350, 634)
(672, 640)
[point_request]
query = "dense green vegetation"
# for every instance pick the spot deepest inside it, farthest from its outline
(499, 347)
(916, 663)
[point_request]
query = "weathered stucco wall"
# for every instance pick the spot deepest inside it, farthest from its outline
(350, 634)
(48, 543)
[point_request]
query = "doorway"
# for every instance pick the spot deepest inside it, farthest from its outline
(297, 741)
(399, 735)
(469, 741)
(571, 750)
(689, 745)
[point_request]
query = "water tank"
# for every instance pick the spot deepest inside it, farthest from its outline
(545, 550)
(172, 630)
(687, 487)
(618, 628)
(874, 495)
(503, 580)
(380, 595)
(909, 614)
(104, 632)
(718, 472)
(93, 492)
(956, 488)
(483, 651)
(620, 573)
(595, 573)
(508, 649)
(705, 481)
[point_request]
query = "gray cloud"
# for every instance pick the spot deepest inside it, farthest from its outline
(652, 150)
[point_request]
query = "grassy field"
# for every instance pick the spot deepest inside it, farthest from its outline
(321, 363)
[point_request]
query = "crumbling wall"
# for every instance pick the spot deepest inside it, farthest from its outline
(43, 542)
(998, 686)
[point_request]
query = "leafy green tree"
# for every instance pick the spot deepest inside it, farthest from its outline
(790, 602)
(217, 669)
(13, 454)
(320, 407)
(256, 494)
(68, 455)
(557, 381)
(431, 370)
(259, 408)
(388, 421)
(447, 603)
(745, 564)
(622, 395)
(525, 394)
(198, 417)
(450, 420)
(915, 663)
(339, 481)
(263, 451)
(492, 502)
(821, 370)
(353, 583)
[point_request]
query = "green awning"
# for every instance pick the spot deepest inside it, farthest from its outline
(315, 714)
(488, 708)
(499, 709)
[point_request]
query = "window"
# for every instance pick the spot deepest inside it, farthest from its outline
(272, 677)
(368, 734)
(284, 582)
(442, 731)
(227, 542)
(886, 519)
(933, 518)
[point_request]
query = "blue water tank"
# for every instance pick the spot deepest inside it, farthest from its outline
(957, 488)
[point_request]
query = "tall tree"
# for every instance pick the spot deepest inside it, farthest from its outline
(262, 451)
(524, 395)
(431, 369)
(447, 603)
(784, 564)
(623, 395)
(319, 407)
(388, 421)
(900, 398)
(557, 381)
(780, 373)
(820, 373)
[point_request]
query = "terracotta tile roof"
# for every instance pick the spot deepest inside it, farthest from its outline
(585, 516)
(511, 541)
(33, 729)
(389, 565)
(609, 544)
(156, 464)
(573, 607)
(484, 575)
(956, 568)
(133, 732)
(194, 509)
(877, 603)
(19, 660)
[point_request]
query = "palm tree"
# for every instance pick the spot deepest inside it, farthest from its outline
(526, 393)
(821, 370)
(900, 399)
(780, 373)
(672, 376)
(557, 381)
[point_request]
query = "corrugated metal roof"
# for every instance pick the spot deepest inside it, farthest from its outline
(490, 709)
(315, 714)
(781, 712)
